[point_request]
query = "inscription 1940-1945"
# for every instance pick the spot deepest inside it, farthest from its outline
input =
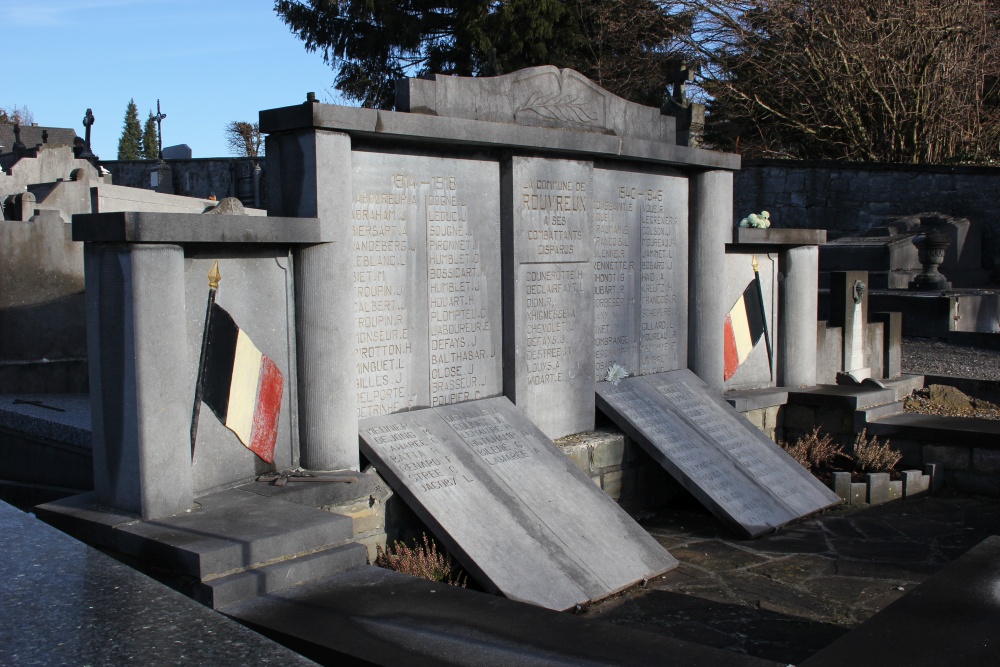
(427, 281)
(640, 271)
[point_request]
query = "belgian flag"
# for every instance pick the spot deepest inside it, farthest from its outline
(241, 385)
(744, 328)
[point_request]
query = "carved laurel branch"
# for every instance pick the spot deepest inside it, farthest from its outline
(557, 107)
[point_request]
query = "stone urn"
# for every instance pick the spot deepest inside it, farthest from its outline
(931, 246)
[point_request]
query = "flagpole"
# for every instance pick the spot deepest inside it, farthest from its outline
(763, 312)
(213, 285)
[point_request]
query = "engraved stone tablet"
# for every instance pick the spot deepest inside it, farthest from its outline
(549, 326)
(427, 281)
(640, 272)
(517, 514)
(738, 473)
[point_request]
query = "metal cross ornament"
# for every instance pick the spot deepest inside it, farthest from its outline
(88, 122)
(159, 128)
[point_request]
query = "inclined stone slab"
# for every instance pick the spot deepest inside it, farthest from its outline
(640, 271)
(735, 470)
(426, 237)
(519, 516)
(549, 352)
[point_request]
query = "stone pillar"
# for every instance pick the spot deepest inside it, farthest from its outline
(797, 326)
(311, 176)
(849, 309)
(711, 228)
(141, 417)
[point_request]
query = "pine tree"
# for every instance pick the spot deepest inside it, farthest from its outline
(149, 144)
(130, 144)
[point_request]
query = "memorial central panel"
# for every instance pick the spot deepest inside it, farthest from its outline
(519, 516)
(640, 271)
(427, 281)
(549, 352)
(731, 467)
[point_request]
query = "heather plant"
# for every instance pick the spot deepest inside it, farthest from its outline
(814, 451)
(872, 456)
(421, 560)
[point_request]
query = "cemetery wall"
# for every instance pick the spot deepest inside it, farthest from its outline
(842, 197)
(196, 177)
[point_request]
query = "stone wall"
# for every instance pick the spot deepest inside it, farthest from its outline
(841, 197)
(196, 177)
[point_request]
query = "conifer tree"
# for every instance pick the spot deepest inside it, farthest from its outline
(150, 151)
(130, 144)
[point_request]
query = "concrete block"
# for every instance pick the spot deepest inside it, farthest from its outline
(841, 485)
(935, 471)
(579, 454)
(611, 482)
(895, 489)
(608, 452)
(948, 456)
(915, 483)
(859, 493)
(878, 487)
(755, 417)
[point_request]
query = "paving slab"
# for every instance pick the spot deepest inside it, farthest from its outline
(68, 604)
(950, 619)
(714, 452)
(387, 618)
(518, 515)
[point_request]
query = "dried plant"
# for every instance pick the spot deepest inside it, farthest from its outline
(872, 456)
(814, 451)
(422, 560)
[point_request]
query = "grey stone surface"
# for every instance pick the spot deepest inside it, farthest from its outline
(387, 618)
(66, 603)
(950, 619)
(878, 487)
(232, 530)
(829, 352)
(640, 271)
(427, 281)
(915, 483)
(711, 227)
(875, 349)
(62, 418)
(859, 493)
(548, 291)
(519, 516)
(842, 485)
(178, 228)
(892, 342)
(438, 131)
(776, 236)
(935, 471)
(797, 334)
(756, 399)
(895, 489)
(543, 96)
(745, 479)
(847, 311)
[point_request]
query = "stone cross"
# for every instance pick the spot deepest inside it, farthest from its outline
(18, 144)
(88, 122)
(159, 128)
(679, 78)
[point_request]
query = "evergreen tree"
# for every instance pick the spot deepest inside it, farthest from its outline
(150, 151)
(626, 46)
(130, 144)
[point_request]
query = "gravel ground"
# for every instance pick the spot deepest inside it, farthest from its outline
(934, 357)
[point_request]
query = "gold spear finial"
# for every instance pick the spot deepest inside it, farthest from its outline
(756, 266)
(214, 276)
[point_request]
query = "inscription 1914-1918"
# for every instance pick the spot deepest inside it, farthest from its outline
(427, 281)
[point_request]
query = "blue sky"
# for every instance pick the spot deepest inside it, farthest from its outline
(208, 61)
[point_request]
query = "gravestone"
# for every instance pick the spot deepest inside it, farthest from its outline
(640, 271)
(724, 461)
(516, 513)
(427, 290)
(849, 310)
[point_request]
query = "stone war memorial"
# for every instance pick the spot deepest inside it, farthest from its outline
(441, 291)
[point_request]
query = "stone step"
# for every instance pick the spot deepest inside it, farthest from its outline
(232, 531)
(904, 385)
(860, 397)
(862, 418)
(233, 588)
(964, 432)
